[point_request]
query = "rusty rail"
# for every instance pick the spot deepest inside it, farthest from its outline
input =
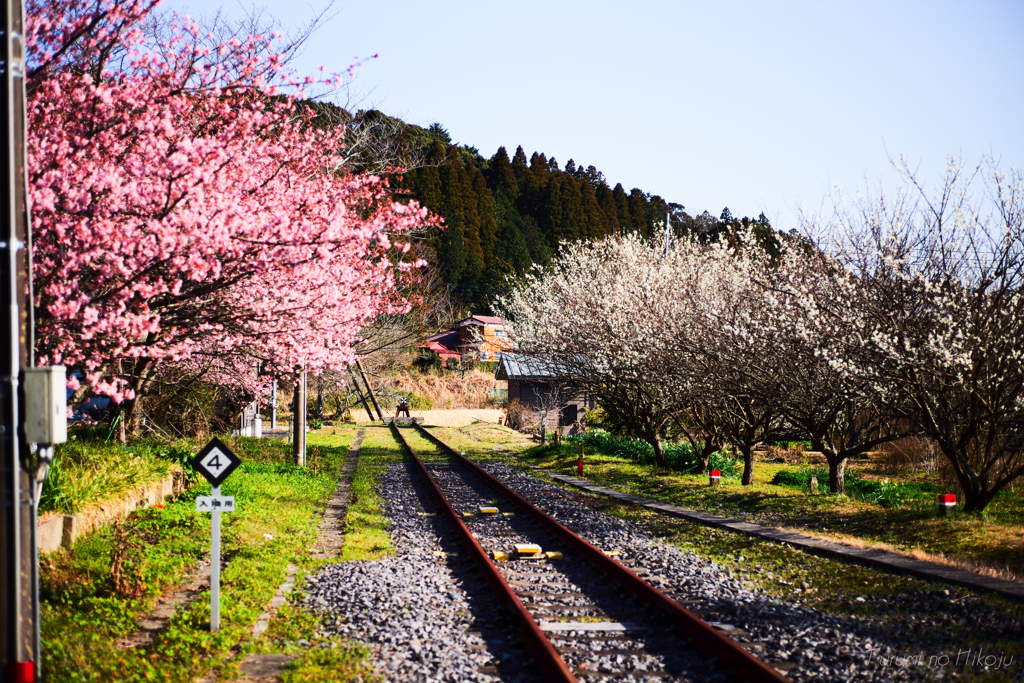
(706, 638)
(550, 665)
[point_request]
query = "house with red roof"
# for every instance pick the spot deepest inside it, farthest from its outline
(480, 337)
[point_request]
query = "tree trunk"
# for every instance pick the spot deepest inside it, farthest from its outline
(836, 473)
(976, 501)
(704, 456)
(659, 452)
(976, 498)
(748, 465)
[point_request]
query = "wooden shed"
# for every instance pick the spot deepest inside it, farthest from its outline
(546, 389)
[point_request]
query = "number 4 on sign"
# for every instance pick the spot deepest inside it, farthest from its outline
(215, 462)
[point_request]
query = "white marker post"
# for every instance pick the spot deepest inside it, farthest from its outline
(215, 566)
(215, 462)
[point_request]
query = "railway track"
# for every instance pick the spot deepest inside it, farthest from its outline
(582, 615)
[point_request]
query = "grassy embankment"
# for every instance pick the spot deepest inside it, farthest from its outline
(86, 609)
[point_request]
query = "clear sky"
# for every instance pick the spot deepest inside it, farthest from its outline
(758, 106)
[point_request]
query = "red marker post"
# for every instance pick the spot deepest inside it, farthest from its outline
(715, 477)
(579, 462)
(947, 501)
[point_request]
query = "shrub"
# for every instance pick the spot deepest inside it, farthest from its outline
(427, 361)
(885, 493)
(678, 456)
(889, 494)
(516, 415)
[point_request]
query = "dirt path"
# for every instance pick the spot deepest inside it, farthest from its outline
(457, 417)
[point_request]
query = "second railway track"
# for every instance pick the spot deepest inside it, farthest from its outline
(582, 615)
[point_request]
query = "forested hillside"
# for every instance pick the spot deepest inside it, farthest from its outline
(505, 213)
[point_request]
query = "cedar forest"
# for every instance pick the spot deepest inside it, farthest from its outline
(502, 215)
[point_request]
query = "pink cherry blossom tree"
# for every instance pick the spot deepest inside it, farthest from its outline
(187, 213)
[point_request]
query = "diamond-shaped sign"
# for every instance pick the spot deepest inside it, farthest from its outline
(215, 462)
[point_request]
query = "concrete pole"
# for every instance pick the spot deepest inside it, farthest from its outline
(273, 405)
(299, 422)
(18, 602)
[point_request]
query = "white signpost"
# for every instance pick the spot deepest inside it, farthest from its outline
(215, 462)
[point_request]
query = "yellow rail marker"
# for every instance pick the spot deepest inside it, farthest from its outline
(499, 556)
(441, 553)
(426, 514)
(611, 553)
(553, 555)
(508, 514)
(467, 514)
(488, 511)
(527, 548)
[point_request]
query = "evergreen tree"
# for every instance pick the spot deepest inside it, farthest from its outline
(470, 214)
(438, 132)
(595, 223)
(606, 200)
(451, 253)
(541, 252)
(485, 213)
(502, 176)
(510, 246)
(638, 212)
(520, 156)
(622, 208)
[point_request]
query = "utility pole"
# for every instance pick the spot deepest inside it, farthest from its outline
(299, 421)
(668, 231)
(18, 619)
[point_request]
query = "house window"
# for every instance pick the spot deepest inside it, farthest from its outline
(567, 415)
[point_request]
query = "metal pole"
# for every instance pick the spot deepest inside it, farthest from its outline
(215, 566)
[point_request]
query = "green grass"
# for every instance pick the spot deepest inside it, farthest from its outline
(87, 472)
(279, 508)
(785, 572)
(366, 528)
(992, 540)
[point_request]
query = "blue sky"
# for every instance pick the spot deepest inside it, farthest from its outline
(752, 105)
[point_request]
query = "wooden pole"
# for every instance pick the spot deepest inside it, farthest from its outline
(362, 398)
(369, 390)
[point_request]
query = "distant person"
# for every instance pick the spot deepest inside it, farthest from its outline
(403, 407)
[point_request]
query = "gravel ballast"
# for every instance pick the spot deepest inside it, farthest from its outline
(429, 617)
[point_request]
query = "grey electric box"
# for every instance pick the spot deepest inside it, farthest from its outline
(46, 405)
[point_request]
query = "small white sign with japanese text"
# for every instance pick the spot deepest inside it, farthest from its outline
(215, 503)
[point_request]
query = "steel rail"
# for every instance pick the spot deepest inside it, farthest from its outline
(706, 638)
(550, 665)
